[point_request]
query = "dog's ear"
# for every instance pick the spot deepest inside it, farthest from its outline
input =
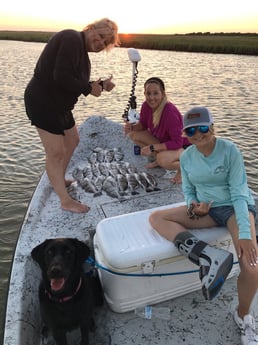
(37, 253)
(82, 249)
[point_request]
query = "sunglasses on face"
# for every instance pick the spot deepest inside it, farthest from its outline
(190, 131)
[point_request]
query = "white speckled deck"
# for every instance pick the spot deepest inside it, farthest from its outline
(194, 321)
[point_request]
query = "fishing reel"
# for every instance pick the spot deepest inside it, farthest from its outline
(130, 113)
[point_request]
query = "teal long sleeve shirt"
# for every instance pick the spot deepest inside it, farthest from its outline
(219, 177)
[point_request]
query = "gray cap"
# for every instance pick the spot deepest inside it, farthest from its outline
(197, 116)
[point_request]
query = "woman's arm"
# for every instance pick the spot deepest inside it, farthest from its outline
(187, 187)
(170, 128)
(129, 127)
(239, 191)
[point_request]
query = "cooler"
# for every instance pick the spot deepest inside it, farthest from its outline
(137, 266)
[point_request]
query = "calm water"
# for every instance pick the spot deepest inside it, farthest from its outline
(227, 84)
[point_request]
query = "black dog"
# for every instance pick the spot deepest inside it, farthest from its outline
(67, 295)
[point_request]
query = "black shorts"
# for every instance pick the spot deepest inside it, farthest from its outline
(42, 111)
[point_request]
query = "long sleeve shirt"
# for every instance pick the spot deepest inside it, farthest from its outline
(169, 130)
(219, 177)
(63, 69)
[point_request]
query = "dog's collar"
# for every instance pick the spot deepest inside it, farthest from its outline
(63, 299)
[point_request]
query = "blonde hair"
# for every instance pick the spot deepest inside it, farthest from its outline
(108, 29)
(157, 113)
(212, 129)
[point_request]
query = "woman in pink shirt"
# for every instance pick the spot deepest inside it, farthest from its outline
(159, 130)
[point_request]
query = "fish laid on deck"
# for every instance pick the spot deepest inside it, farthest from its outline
(105, 170)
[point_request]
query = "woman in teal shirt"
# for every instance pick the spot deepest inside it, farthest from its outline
(215, 187)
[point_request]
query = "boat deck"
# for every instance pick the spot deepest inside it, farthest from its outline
(193, 320)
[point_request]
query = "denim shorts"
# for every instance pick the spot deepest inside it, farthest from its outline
(221, 214)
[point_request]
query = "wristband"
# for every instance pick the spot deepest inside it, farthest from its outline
(152, 148)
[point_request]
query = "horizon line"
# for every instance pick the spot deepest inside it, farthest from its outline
(147, 33)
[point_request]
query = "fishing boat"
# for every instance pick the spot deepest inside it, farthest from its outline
(192, 318)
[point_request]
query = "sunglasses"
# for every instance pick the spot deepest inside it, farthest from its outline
(190, 131)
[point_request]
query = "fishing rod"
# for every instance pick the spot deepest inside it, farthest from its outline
(130, 113)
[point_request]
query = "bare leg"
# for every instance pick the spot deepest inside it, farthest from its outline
(59, 150)
(178, 177)
(170, 222)
(169, 160)
(142, 138)
(152, 165)
(71, 140)
(247, 283)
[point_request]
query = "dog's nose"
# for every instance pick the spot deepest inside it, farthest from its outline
(55, 272)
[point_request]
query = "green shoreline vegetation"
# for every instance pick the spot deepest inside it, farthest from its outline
(217, 43)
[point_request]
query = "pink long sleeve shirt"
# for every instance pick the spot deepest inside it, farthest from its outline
(170, 128)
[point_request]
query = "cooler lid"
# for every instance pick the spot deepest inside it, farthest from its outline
(129, 240)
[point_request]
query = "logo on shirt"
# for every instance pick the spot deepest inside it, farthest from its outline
(220, 169)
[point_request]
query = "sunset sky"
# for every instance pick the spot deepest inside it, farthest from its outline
(133, 16)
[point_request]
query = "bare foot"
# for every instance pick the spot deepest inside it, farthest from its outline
(151, 165)
(177, 178)
(68, 183)
(74, 206)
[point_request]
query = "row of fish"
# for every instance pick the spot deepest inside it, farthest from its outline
(101, 155)
(106, 171)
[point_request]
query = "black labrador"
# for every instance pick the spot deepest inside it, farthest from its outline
(67, 295)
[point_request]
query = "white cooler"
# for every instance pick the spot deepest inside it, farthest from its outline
(137, 266)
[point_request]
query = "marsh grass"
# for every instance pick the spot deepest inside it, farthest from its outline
(26, 36)
(235, 43)
(207, 43)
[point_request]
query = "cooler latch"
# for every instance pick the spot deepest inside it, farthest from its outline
(148, 267)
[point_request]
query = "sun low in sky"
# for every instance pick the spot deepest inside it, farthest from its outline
(133, 16)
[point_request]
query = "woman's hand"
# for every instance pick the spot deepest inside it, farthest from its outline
(248, 249)
(127, 127)
(199, 209)
(96, 88)
(146, 151)
(108, 85)
(202, 209)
